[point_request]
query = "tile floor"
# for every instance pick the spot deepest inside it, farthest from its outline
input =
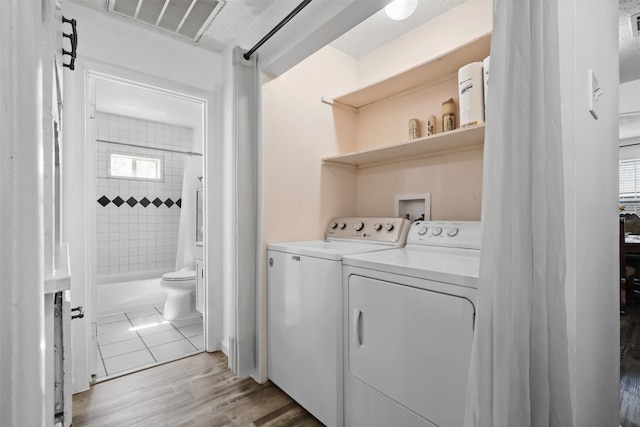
(139, 339)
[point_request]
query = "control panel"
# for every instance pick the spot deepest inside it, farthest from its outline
(455, 234)
(391, 231)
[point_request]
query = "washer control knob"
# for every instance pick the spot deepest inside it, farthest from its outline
(453, 231)
(388, 226)
(359, 226)
(437, 231)
(333, 225)
(377, 226)
(423, 230)
(342, 226)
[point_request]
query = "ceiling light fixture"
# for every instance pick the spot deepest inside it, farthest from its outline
(399, 10)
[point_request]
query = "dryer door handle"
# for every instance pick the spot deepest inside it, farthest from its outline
(358, 332)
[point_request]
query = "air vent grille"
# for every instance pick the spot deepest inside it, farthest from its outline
(186, 18)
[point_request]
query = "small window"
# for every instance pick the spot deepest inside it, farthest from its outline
(134, 167)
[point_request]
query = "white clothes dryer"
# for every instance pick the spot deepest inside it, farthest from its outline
(408, 330)
(305, 309)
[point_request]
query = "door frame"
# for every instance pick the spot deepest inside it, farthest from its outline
(82, 149)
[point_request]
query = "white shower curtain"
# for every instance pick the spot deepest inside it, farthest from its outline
(519, 373)
(246, 128)
(185, 258)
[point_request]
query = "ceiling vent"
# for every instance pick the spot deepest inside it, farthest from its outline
(186, 18)
(635, 24)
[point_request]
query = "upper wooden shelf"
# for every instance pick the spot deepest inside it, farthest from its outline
(431, 72)
(458, 140)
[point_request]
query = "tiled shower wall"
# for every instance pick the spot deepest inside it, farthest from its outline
(137, 221)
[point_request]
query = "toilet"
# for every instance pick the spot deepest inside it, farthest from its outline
(181, 294)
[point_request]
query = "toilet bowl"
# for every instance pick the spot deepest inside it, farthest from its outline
(181, 294)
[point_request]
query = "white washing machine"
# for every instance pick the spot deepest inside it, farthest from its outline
(409, 318)
(305, 309)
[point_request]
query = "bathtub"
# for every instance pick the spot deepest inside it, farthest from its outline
(118, 293)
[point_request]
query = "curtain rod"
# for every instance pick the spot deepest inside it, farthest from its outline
(275, 29)
(189, 153)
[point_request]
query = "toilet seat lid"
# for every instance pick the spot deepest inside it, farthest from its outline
(180, 275)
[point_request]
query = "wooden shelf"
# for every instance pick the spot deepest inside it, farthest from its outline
(432, 72)
(454, 141)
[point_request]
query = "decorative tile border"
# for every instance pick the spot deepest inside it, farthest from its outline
(132, 201)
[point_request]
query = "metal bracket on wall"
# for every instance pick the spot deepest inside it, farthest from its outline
(80, 314)
(73, 38)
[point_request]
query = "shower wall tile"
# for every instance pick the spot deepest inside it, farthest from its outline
(138, 238)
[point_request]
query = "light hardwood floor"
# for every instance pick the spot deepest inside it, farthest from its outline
(195, 391)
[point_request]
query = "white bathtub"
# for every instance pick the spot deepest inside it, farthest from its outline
(119, 293)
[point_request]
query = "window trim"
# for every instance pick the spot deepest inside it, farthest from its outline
(135, 156)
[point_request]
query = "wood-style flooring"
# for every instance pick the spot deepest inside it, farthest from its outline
(195, 391)
(201, 391)
(630, 367)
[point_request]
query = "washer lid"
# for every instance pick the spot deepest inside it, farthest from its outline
(327, 249)
(180, 275)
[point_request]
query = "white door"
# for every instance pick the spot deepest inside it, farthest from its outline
(411, 345)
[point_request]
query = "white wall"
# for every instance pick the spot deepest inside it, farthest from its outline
(318, 24)
(142, 237)
(133, 52)
(120, 43)
(630, 97)
(22, 313)
(630, 129)
(591, 203)
(141, 103)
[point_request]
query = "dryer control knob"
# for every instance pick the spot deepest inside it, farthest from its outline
(377, 226)
(453, 231)
(342, 226)
(423, 230)
(437, 231)
(359, 226)
(333, 225)
(388, 226)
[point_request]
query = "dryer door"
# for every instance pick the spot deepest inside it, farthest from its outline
(412, 345)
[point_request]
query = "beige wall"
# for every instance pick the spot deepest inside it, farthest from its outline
(454, 181)
(301, 196)
(387, 122)
(460, 25)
